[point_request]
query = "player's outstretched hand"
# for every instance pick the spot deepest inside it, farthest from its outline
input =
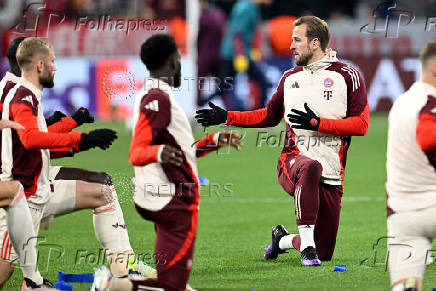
(101, 138)
(55, 117)
(171, 155)
(304, 120)
(230, 138)
(82, 115)
(214, 116)
(10, 124)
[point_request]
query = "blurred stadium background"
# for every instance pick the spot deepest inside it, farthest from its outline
(99, 68)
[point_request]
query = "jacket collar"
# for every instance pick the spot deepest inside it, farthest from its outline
(427, 86)
(325, 62)
(155, 83)
(31, 87)
(11, 77)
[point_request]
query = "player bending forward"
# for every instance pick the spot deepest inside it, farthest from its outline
(325, 103)
(164, 154)
(411, 178)
(26, 158)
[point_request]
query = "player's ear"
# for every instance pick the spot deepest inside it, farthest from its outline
(39, 65)
(432, 66)
(315, 43)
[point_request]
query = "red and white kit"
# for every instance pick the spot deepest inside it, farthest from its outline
(411, 181)
(20, 101)
(311, 166)
(167, 194)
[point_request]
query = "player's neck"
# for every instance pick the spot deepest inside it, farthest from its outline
(32, 78)
(429, 79)
(162, 75)
(316, 57)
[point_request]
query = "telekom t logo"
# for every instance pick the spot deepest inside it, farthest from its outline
(40, 23)
(391, 25)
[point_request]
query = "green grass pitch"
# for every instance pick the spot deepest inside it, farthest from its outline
(235, 222)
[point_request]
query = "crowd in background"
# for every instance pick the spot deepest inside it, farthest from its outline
(234, 36)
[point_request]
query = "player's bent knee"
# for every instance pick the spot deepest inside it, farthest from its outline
(92, 195)
(10, 189)
(9, 192)
(106, 199)
(313, 167)
(101, 178)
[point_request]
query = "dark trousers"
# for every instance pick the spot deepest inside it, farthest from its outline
(176, 228)
(316, 203)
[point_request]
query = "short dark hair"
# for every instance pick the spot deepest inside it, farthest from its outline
(428, 52)
(11, 54)
(316, 28)
(156, 50)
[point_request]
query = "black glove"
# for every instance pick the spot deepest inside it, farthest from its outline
(304, 120)
(214, 116)
(82, 116)
(55, 117)
(101, 138)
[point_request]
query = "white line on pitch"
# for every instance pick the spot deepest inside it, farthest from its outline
(231, 199)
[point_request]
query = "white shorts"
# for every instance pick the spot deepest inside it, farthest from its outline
(62, 201)
(410, 243)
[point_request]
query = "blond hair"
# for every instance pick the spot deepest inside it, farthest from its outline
(29, 48)
(428, 52)
(316, 28)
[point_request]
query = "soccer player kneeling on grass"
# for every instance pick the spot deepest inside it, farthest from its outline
(411, 178)
(20, 226)
(164, 152)
(54, 191)
(324, 103)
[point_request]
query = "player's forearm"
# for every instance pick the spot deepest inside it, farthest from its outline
(62, 153)
(256, 118)
(141, 156)
(66, 124)
(344, 127)
(207, 144)
(425, 132)
(32, 139)
(355, 125)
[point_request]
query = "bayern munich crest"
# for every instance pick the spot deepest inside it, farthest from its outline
(328, 82)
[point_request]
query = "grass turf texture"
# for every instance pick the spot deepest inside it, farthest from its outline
(235, 222)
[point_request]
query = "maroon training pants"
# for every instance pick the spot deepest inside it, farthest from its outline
(176, 228)
(316, 203)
